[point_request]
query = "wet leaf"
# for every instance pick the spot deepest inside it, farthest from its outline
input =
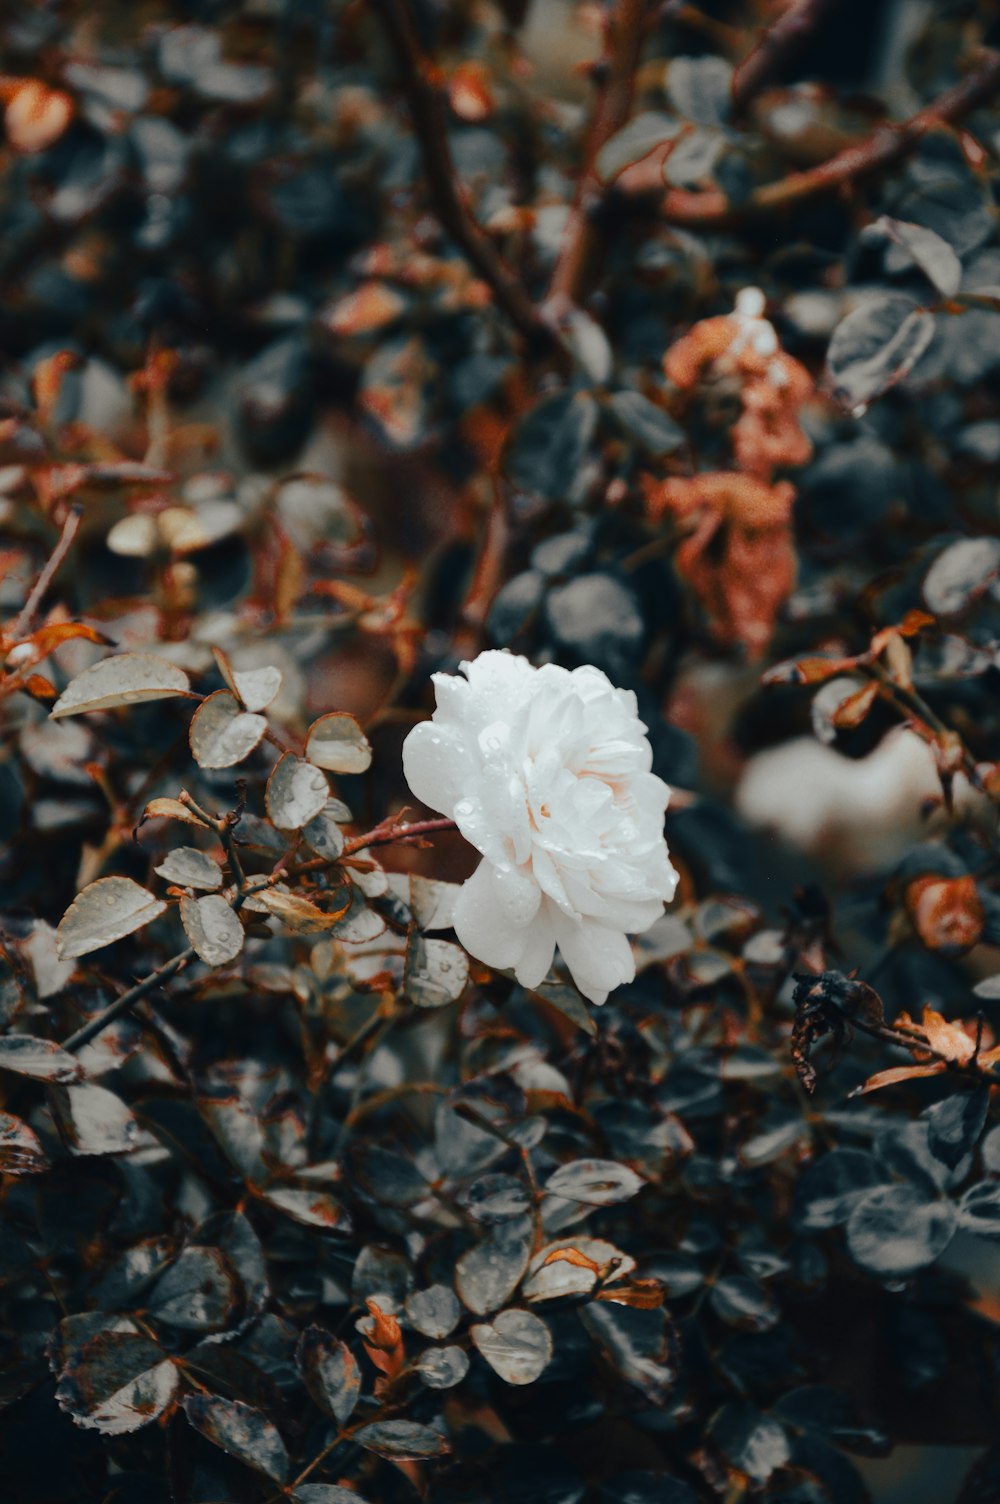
(190, 868)
(960, 574)
(442, 1367)
(212, 928)
(488, 1274)
(126, 679)
(240, 1430)
(516, 1344)
(255, 688)
(21, 1151)
(894, 1230)
(436, 971)
(41, 1058)
(310, 1208)
(752, 1442)
(401, 1440)
(336, 742)
(296, 792)
(116, 1380)
(105, 911)
(222, 733)
(934, 256)
(93, 1120)
(597, 1182)
(435, 1312)
(875, 347)
(197, 1293)
(296, 914)
(331, 1372)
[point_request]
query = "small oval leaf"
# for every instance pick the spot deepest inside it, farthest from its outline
(336, 742)
(125, 679)
(222, 734)
(296, 792)
(212, 928)
(105, 911)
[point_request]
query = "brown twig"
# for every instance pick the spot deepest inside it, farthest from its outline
(26, 616)
(418, 77)
(623, 44)
(711, 209)
(778, 43)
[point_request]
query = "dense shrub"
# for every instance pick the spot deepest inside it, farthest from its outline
(342, 343)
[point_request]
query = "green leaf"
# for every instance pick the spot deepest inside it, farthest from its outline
(240, 1430)
(41, 1058)
(190, 868)
(597, 1182)
(198, 1293)
(934, 256)
(436, 971)
(434, 1312)
(213, 929)
(894, 1230)
(336, 742)
(979, 1210)
(488, 1274)
(442, 1367)
(105, 911)
(550, 445)
(643, 134)
(21, 1151)
(296, 792)
(116, 1380)
(126, 679)
(402, 1440)
(516, 1344)
(222, 733)
(752, 1442)
(331, 1372)
(875, 347)
(653, 429)
(93, 1120)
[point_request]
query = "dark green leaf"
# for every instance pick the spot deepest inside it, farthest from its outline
(242, 1431)
(331, 1372)
(894, 1230)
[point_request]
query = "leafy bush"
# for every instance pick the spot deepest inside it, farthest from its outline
(342, 343)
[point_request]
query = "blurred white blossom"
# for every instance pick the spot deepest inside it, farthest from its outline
(547, 773)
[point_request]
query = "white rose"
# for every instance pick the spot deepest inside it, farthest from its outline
(547, 773)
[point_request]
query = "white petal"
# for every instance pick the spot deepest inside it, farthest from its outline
(518, 895)
(482, 929)
(598, 959)
(539, 947)
(436, 765)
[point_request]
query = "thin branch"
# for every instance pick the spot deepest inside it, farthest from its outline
(582, 240)
(712, 210)
(417, 75)
(121, 1005)
(778, 43)
(28, 611)
(391, 831)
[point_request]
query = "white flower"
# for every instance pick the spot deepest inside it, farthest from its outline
(547, 773)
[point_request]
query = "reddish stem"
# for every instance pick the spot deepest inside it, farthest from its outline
(581, 243)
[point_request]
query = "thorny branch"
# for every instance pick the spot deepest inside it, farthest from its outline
(616, 70)
(710, 209)
(418, 77)
(779, 42)
(29, 610)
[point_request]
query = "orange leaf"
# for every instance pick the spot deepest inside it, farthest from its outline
(852, 711)
(946, 912)
(898, 1073)
(36, 115)
(575, 1257)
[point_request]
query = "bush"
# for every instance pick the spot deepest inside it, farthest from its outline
(343, 344)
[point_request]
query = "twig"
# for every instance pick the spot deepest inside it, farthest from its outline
(623, 44)
(27, 613)
(777, 44)
(388, 832)
(122, 1004)
(711, 209)
(417, 74)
